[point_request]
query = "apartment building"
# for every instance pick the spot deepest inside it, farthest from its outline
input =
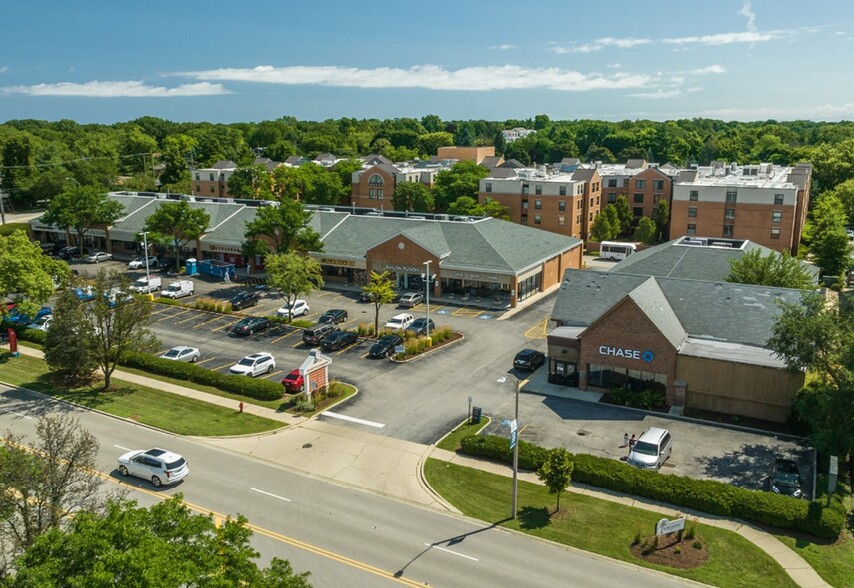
(764, 203)
(511, 135)
(213, 181)
(562, 203)
(644, 185)
(373, 186)
(475, 154)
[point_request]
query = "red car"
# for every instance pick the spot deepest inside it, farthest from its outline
(293, 381)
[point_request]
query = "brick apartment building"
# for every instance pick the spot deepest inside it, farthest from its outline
(643, 185)
(213, 181)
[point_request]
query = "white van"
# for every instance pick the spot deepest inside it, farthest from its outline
(399, 321)
(616, 251)
(178, 289)
(652, 449)
(145, 285)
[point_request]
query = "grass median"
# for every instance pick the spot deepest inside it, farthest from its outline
(599, 526)
(170, 412)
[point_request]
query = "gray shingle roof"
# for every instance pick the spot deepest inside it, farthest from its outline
(651, 300)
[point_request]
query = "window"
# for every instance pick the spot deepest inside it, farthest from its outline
(612, 196)
(561, 220)
(488, 187)
(692, 212)
(376, 180)
(637, 211)
(638, 199)
(563, 190)
(537, 219)
(580, 204)
(538, 189)
(692, 229)
(212, 177)
(375, 194)
(538, 204)
(775, 233)
(640, 184)
(525, 188)
(729, 213)
(731, 196)
(198, 188)
(591, 217)
(561, 205)
(597, 201)
(776, 216)
(524, 219)
(213, 190)
(524, 205)
(591, 202)
(658, 184)
(694, 195)
(596, 186)
(778, 199)
(197, 176)
(727, 230)
(578, 219)
(612, 183)
(372, 194)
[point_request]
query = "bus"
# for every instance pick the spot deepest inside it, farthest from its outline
(616, 251)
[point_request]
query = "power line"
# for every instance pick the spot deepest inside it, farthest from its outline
(54, 164)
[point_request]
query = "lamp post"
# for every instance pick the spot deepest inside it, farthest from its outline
(514, 439)
(428, 280)
(145, 245)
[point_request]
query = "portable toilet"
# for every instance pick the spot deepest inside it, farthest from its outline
(191, 269)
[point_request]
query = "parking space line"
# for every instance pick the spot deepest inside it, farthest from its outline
(226, 326)
(185, 311)
(216, 318)
(468, 311)
(283, 336)
(230, 363)
(186, 320)
(276, 373)
(205, 360)
(350, 346)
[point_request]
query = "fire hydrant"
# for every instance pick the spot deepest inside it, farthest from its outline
(241, 406)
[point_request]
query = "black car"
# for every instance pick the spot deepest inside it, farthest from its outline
(529, 360)
(338, 339)
(385, 346)
(366, 297)
(245, 299)
(51, 249)
(334, 316)
(785, 478)
(71, 251)
(419, 326)
(250, 325)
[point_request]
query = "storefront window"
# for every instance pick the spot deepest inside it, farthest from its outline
(603, 376)
(528, 287)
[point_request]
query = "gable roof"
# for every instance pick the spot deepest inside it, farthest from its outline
(584, 175)
(635, 163)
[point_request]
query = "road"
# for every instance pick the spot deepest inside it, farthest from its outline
(342, 535)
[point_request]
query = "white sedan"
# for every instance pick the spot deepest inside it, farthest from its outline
(139, 262)
(182, 353)
(42, 324)
(98, 257)
(295, 309)
(253, 365)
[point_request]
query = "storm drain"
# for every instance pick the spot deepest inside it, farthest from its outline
(582, 433)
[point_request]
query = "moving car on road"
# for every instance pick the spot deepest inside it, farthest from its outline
(98, 257)
(160, 466)
(384, 347)
(294, 309)
(253, 365)
(182, 353)
(250, 325)
(338, 339)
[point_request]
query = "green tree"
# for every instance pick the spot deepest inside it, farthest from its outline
(556, 472)
(845, 193)
(463, 206)
(646, 231)
(252, 181)
(412, 196)
(499, 142)
(82, 208)
(293, 275)
(286, 226)
(613, 220)
(624, 214)
(775, 269)
(25, 274)
(45, 481)
(429, 144)
(463, 179)
(828, 240)
(601, 229)
(280, 150)
(322, 186)
(176, 152)
(65, 350)
(177, 223)
(345, 170)
(380, 289)
(492, 208)
(661, 216)
(18, 160)
(124, 544)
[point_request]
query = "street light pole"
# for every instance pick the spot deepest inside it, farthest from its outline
(427, 281)
(514, 438)
(145, 245)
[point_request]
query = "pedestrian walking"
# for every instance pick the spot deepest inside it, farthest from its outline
(632, 441)
(625, 439)
(226, 277)
(248, 268)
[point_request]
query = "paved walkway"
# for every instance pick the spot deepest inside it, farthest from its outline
(394, 468)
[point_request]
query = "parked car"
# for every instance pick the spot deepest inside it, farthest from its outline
(411, 299)
(399, 321)
(293, 381)
(139, 262)
(254, 365)
(179, 289)
(244, 299)
(85, 293)
(70, 251)
(51, 249)
(42, 324)
(529, 360)
(182, 353)
(786, 478)
(385, 345)
(251, 325)
(294, 309)
(419, 326)
(317, 333)
(158, 465)
(338, 339)
(146, 284)
(98, 257)
(115, 294)
(366, 297)
(334, 316)
(14, 315)
(651, 449)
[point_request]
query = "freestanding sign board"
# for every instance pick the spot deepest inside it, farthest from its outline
(665, 527)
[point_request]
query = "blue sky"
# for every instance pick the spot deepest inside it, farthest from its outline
(108, 61)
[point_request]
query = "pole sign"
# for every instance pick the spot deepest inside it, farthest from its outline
(665, 527)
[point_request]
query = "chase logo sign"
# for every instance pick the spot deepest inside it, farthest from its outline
(646, 356)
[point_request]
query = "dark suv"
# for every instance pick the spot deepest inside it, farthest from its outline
(335, 316)
(317, 333)
(785, 478)
(419, 326)
(244, 299)
(529, 360)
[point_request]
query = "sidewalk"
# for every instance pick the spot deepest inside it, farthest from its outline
(394, 468)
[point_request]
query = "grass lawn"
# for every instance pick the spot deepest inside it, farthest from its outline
(598, 526)
(452, 441)
(170, 412)
(834, 563)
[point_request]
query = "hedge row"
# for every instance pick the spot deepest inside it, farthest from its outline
(704, 495)
(260, 389)
(25, 334)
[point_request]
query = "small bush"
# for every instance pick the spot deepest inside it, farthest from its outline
(677, 550)
(365, 329)
(638, 538)
(168, 301)
(697, 545)
(212, 305)
(645, 399)
(304, 405)
(690, 531)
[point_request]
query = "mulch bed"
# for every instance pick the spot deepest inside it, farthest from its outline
(671, 552)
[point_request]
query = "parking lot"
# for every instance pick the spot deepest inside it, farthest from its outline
(423, 399)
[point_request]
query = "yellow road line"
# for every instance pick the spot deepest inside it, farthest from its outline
(186, 320)
(226, 326)
(538, 331)
(283, 336)
(276, 373)
(185, 311)
(204, 360)
(216, 318)
(224, 365)
(468, 311)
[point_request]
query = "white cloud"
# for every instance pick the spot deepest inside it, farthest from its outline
(133, 89)
(432, 77)
(657, 95)
(727, 38)
(615, 65)
(751, 16)
(600, 44)
(820, 112)
(4, 69)
(504, 47)
(710, 69)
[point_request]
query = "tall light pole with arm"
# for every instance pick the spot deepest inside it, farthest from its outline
(514, 439)
(145, 245)
(428, 279)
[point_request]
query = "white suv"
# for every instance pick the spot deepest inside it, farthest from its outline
(158, 465)
(254, 365)
(399, 321)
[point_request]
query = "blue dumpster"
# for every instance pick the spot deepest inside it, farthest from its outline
(216, 268)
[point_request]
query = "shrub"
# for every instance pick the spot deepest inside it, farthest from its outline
(304, 405)
(365, 329)
(645, 399)
(212, 305)
(705, 495)
(260, 389)
(168, 301)
(697, 545)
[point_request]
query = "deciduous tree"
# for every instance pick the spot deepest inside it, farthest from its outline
(828, 240)
(66, 348)
(646, 232)
(661, 216)
(251, 181)
(779, 270)
(286, 226)
(601, 229)
(624, 214)
(25, 274)
(463, 179)
(380, 289)
(82, 208)
(177, 223)
(412, 196)
(556, 472)
(293, 275)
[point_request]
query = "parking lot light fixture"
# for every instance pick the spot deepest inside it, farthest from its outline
(145, 252)
(514, 438)
(428, 279)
